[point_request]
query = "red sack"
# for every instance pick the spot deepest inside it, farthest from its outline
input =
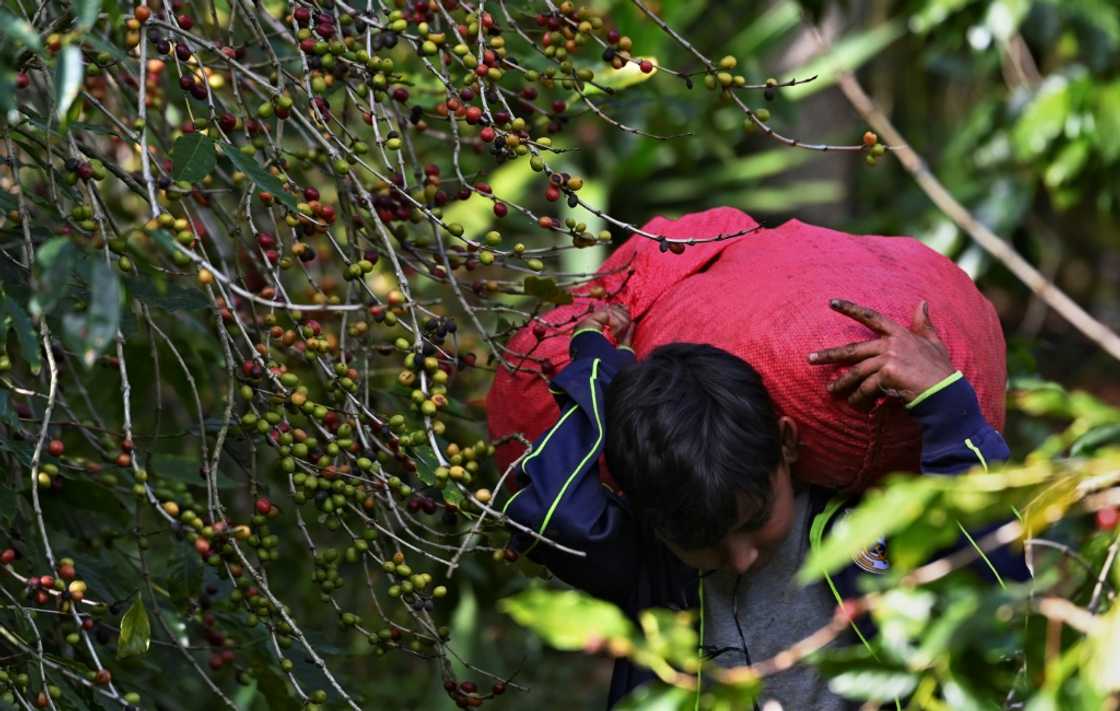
(764, 297)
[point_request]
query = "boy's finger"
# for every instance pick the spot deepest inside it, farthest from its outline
(849, 353)
(856, 375)
(868, 317)
(868, 392)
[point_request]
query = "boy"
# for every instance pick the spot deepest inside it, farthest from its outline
(704, 461)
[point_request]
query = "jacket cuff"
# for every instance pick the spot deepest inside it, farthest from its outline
(949, 415)
(591, 343)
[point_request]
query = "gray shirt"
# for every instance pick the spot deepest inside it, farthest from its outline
(774, 612)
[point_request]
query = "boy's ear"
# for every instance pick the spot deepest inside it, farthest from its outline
(787, 434)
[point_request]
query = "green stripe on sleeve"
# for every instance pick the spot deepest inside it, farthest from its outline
(934, 389)
(976, 450)
(585, 330)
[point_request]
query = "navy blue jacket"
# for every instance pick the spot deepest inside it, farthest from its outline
(562, 497)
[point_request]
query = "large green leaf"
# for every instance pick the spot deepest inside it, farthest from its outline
(567, 619)
(136, 631)
(67, 81)
(193, 157)
(264, 180)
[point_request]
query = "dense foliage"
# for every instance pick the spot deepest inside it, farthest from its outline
(260, 260)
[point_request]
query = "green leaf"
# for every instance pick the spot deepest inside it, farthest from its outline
(1104, 643)
(658, 697)
(881, 685)
(67, 81)
(1004, 17)
(881, 513)
(1043, 119)
(617, 79)
(26, 334)
(88, 10)
(546, 289)
(1068, 163)
(165, 295)
(136, 631)
(933, 13)
(846, 55)
(164, 239)
(184, 469)
(193, 157)
(57, 259)
(264, 180)
(20, 31)
(567, 619)
(91, 331)
(1094, 439)
(1106, 114)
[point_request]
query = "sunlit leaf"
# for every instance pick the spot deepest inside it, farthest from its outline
(934, 12)
(68, 75)
(1106, 114)
(1067, 164)
(567, 619)
(1043, 119)
(1004, 17)
(1104, 646)
(881, 513)
(658, 697)
(136, 631)
(873, 684)
(845, 55)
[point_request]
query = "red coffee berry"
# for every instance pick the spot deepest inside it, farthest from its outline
(1108, 518)
(263, 506)
(8, 556)
(56, 448)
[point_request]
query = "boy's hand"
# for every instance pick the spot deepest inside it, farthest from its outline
(899, 363)
(615, 317)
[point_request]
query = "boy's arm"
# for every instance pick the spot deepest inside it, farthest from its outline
(955, 435)
(561, 496)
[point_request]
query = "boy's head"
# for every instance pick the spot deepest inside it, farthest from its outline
(694, 441)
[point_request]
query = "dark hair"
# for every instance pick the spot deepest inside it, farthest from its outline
(687, 428)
